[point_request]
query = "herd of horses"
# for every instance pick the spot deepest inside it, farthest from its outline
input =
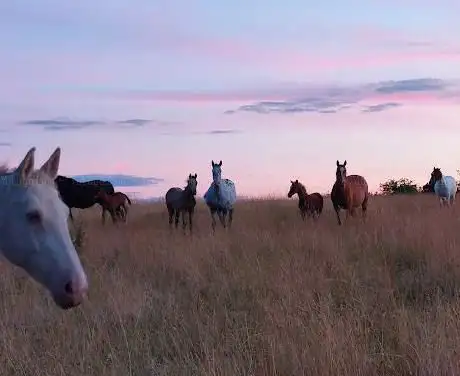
(35, 206)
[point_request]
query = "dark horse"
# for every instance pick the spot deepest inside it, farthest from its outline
(349, 192)
(180, 200)
(116, 204)
(310, 205)
(81, 195)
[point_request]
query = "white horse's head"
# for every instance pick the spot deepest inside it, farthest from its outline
(216, 171)
(34, 233)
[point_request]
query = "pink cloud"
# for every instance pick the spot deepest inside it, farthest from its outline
(284, 58)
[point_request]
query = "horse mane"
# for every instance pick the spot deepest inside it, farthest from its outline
(302, 188)
(36, 175)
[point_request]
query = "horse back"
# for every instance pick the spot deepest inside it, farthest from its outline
(353, 193)
(173, 196)
(356, 190)
(226, 197)
(315, 202)
(447, 187)
(75, 194)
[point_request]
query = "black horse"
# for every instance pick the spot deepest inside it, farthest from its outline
(82, 195)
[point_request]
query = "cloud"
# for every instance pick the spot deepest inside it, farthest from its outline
(404, 86)
(120, 180)
(60, 124)
(333, 99)
(381, 107)
(223, 131)
(136, 122)
(5, 144)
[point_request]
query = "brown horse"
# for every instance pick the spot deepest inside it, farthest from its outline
(183, 201)
(115, 203)
(349, 192)
(309, 205)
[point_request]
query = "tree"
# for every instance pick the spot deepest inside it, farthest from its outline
(401, 186)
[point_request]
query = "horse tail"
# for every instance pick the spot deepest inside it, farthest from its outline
(127, 198)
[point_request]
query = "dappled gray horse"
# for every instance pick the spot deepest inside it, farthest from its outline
(220, 196)
(180, 200)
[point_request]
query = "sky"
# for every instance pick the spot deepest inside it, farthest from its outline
(144, 92)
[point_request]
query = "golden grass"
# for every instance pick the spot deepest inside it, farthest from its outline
(273, 296)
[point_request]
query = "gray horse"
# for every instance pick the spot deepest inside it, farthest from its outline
(180, 200)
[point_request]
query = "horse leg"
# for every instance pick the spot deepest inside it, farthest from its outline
(364, 208)
(176, 218)
(337, 210)
(190, 216)
(213, 219)
(170, 215)
(124, 210)
(302, 214)
(221, 217)
(113, 214)
(225, 218)
(184, 222)
(316, 215)
(230, 217)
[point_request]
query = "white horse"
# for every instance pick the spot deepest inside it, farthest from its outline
(220, 196)
(34, 233)
(445, 187)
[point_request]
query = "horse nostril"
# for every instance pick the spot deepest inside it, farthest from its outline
(68, 288)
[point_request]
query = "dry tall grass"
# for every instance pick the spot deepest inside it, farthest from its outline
(273, 296)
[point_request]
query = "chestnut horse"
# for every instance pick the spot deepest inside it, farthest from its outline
(309, 205)
(114, 203)
(349, 192)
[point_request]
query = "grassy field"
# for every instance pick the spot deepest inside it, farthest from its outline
(273, 296)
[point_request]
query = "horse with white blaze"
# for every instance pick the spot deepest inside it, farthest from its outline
(34, 233)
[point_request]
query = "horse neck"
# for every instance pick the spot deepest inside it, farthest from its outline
(340, 181)
(187, 192)
(217, 178)
(302, 192)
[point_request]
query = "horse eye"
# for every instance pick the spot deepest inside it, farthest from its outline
(34, 217)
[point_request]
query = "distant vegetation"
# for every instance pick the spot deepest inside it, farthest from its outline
(401, 186)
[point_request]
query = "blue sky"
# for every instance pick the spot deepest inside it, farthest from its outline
(276, 89)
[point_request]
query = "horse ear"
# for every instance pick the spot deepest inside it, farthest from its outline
(220, 163)
(26, 167)
(212, 163)
(292, 182)
(345, 163)
(196, 175)
(51, 166)
(338, 164)
(297, 181)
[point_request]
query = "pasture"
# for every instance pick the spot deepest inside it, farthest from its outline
(273, 295)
